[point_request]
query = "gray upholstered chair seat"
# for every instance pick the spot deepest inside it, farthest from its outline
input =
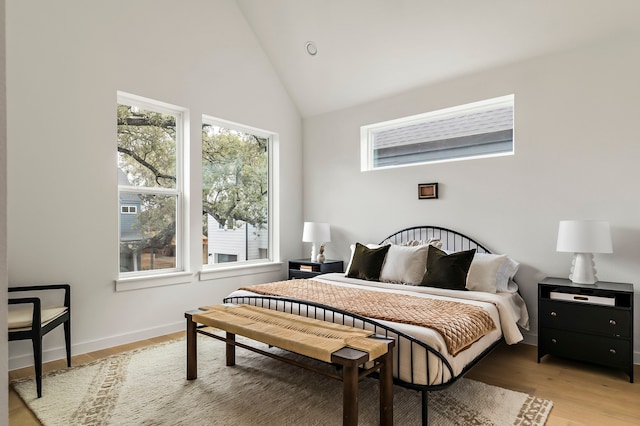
(20, 319)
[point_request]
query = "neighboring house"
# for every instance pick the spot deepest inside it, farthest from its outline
(129, 205)
(235, 245)
(223, 245)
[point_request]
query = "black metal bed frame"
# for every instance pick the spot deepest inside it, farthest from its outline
(451, 240)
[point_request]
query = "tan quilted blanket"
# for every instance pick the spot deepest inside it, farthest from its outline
(460, 324)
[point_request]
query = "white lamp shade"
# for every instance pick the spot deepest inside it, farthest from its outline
(316, 232)
(584, 236)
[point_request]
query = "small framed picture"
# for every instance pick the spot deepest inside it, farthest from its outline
(427, 190)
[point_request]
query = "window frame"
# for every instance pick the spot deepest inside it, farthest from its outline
(367, 158)
(272, 262)
(166, 276)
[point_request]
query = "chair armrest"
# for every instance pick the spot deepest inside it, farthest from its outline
(21, 300)
(36, 319)
(65, 287)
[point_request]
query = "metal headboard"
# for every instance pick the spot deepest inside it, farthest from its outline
(451, 240)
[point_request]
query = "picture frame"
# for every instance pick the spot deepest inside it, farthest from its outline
(427, 191)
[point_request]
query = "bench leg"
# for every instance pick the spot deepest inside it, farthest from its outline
(231, 349)
(386, 389)
(350, 395)
(192, 349)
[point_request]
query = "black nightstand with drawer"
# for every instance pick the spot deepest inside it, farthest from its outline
(591, 323)
(304, 268)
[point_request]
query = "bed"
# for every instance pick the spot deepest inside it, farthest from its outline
(424, 359)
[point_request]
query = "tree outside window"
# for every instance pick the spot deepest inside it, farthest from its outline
(235, 192)
(235, 188)
(149, 146)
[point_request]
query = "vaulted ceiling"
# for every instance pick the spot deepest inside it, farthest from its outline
(368, 49)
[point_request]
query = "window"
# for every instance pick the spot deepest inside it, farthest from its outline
(224, 258)
(475, 130)
(129, 209)
(235, 192)
(150, 139)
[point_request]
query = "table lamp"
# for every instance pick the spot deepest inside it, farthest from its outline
(316, 232)
(583, 238)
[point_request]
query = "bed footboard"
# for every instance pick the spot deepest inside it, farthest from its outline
(416, 364)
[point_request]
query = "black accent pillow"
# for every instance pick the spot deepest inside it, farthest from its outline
(367, 263)
(447, 270)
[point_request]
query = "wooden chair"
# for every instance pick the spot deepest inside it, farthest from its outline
(33, 322)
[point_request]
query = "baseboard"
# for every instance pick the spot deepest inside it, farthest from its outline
(530, 339)
(52, 354)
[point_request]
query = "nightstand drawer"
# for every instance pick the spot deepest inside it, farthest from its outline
(588, 318)
(601, 350)
(295, 273)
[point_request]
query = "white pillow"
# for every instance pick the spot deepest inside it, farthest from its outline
(505, 276)
(404, 264)
(483, 269)
(484, 272)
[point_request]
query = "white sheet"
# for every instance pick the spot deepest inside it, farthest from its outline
(506, 309)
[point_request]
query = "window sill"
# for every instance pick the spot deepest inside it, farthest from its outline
(239, 270)
(176, 278)
(148, 281)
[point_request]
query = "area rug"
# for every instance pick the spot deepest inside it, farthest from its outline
(148, 387)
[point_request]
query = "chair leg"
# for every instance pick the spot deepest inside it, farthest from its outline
(37, 358)
(67, 341)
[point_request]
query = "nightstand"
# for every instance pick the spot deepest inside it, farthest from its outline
(304, 268)
(587, 322)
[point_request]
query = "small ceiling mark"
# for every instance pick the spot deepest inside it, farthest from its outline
(311, 48)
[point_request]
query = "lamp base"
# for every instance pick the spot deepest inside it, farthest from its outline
(583, 270)
(314, 253)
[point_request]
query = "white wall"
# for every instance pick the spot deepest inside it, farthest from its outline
(66, 60)
(577, 152)
(3, 220)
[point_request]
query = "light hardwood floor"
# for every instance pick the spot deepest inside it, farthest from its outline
(582, 394)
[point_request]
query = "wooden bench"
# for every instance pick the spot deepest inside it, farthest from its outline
(301, 340)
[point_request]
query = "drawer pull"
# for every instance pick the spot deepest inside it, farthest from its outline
(612, 351)
(553, 314)
(612, 322)
(554, 341)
